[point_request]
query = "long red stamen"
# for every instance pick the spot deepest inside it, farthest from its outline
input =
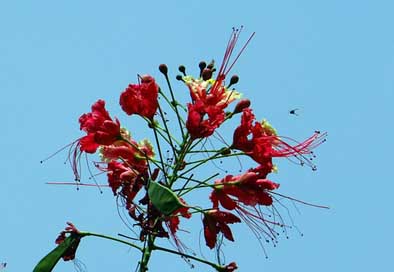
(225, 67)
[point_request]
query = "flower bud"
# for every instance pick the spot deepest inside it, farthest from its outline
(163, 69)
(234, 80)
(202, 66)
(206, 74)
(182, 69)
(241, 105)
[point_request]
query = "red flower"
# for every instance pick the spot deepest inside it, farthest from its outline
(230, 267)
(216, 221)
(101, 130)
(124, 181)
(210, 97)
(141, 98)
(119, 174)
(245, 194)
(134, 154)
(264, 143)
(71, 250)
(173, 221)
(99, 126)
(247, 189)
(202, 120)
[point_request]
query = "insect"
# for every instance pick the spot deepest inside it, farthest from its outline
(294, 112)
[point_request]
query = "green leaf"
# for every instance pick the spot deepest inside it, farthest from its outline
(165, 200)
(49, 261)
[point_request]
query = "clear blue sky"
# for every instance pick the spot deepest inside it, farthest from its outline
(332, 59)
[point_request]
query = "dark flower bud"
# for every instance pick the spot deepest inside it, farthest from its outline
(241, 105)
(211, 65)
(234, 80)
(230, 267)
(163, 69)
(155, 174)
(206, 74)
(182, 69)
(202, 66)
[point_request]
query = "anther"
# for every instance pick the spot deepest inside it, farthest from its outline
(179, 77)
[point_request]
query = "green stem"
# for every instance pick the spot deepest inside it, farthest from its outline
(147, 252)
(184, 150)
(174, 103)
(159, 150)
(217, 267)
(110, 238)
(168, 132)
(187, 190)
(216, 156)
(172, 106)
(199, 163)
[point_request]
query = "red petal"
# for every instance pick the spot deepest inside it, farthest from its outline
(226, 232)
(88, 144)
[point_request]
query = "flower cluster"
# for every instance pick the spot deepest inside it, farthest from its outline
(153, 185)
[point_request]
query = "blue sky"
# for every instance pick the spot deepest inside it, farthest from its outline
(332, 59)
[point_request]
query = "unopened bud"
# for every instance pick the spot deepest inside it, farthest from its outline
(234, 80)
(163, 69)
(241, 105)
(147, 79)
(155, 174)
(182, 69)
(202, 66)
(206, 74)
